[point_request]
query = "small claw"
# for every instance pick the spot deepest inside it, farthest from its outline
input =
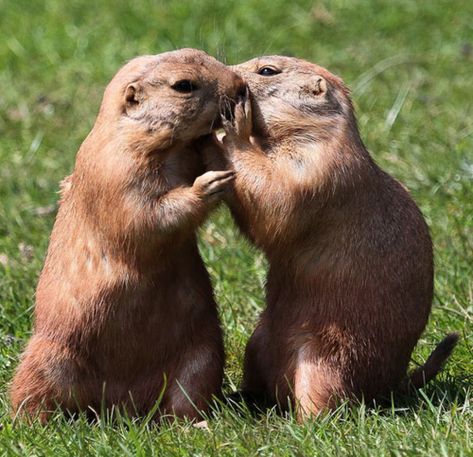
(227, 125)
(222, 175)
(226, 173)
(248, 106)
(226, 109)
(240, 106)
(219, 186)
(227, 179)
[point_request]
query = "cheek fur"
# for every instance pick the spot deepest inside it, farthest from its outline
(278, 111)
(198, 121)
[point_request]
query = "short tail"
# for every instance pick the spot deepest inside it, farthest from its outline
(425, 373)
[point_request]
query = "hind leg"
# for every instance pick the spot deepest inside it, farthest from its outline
(257, 365)
(195, 382)
(44, 380)
(317, 387)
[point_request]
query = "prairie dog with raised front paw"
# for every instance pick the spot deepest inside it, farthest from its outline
(350, 280)
(124, 305)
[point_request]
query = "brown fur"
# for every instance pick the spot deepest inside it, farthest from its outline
(124, 305)
(350, 279)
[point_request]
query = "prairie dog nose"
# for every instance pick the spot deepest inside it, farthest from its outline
(236, 87)
(241, 88)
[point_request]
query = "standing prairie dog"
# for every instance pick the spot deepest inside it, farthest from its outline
(350, 280)
(124, 306)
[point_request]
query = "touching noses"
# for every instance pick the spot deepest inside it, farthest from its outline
(240, 88)
(235, 88)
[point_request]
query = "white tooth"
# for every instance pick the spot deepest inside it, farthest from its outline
(220, 134)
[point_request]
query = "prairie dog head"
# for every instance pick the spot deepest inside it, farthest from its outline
(295, 98)
(168, 98)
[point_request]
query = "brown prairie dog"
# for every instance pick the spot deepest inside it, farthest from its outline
(124, 305)
(350, 279)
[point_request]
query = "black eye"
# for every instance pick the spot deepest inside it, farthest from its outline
(268, 71)
(184, 86)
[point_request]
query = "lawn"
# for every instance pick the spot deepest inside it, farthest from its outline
(409, 65)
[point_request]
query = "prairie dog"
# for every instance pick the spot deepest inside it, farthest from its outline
(124, 306)
(350, 280)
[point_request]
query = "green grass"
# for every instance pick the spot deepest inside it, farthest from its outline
(410, 67)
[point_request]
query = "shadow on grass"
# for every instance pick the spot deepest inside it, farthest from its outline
(441, 395)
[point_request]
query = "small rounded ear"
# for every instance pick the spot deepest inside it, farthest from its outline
(132, 95)
(320, 86)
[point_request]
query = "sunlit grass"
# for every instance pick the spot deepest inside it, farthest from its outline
(409, 65)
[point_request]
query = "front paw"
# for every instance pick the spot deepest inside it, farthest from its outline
(212, 185)
(238, 128)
